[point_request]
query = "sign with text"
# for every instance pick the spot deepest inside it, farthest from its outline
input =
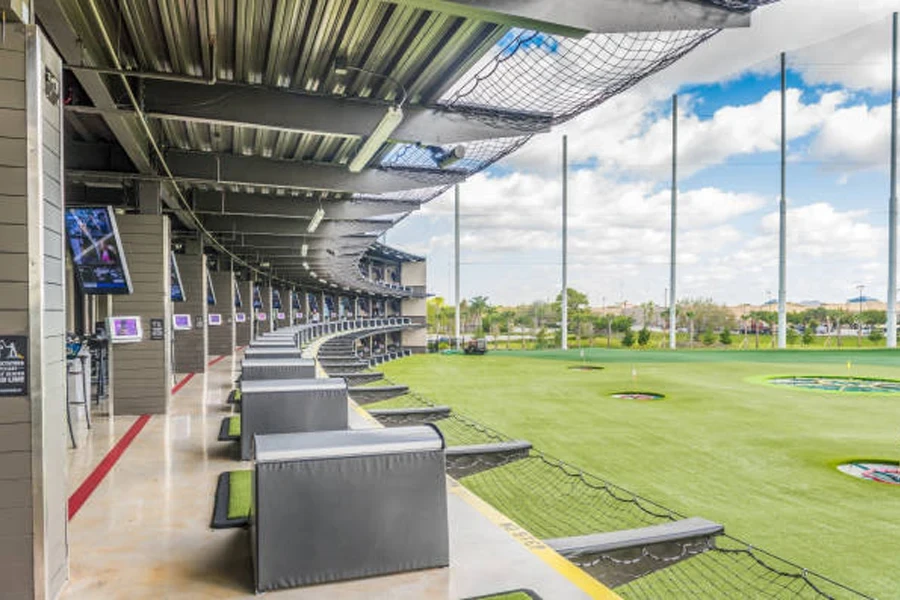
(13, 365)
(157, 329)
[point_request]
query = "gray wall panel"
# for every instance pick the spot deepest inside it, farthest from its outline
(222, 338)
(142, 377)
(191, 346)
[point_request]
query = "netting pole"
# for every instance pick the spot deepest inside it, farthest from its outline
(456, 331)
(782, 218)
(892, 211)
(564, 303)
(674, 223)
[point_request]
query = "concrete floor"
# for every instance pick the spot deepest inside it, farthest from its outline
(144, 532)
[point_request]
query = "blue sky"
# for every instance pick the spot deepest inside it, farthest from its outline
(728, 184)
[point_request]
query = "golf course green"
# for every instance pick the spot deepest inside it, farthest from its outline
(723, 444)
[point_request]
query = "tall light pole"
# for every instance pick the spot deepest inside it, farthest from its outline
(892, 211)
(674, 222)
(565, 242)
(782, 217)
(456, 331)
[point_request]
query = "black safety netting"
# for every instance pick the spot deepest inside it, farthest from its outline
(554, 499)
(533, 76)
(531, 81)
(740, 5)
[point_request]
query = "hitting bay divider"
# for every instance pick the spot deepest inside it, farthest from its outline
(271, 406)
(634, 545)
(618, 557)
(368, 394)
(296, 427)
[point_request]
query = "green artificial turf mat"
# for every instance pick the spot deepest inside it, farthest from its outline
(234, 426)
(239, 494)
(757, 458)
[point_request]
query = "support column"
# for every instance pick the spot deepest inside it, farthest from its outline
(413, 274)
(141, 373)
(305, 299)
(242, 330)
(268, 325)
(191, 346)
(222, 337)
(32, 318)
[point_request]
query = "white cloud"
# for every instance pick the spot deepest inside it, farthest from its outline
(854, 138)
(619, 206)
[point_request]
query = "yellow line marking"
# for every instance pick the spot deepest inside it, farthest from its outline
(567, 569)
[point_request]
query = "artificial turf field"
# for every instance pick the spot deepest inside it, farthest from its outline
(723, 445)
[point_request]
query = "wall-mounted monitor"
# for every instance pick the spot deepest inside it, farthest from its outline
(257, 298)
(210, 290)
(125, 330)
(181, 322)
(238, 303)
(177, 289)
(215, 319)
(96, 248)
(262, 316)
(280, 316)
(295, 299)
(276, 300)
(240, 318)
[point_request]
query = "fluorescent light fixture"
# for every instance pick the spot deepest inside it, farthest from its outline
(304, 249)
(313, 273)
(322, 281)
(306, 265)
(316, 219)
(389, 122)
(334, 285)
(453, 155)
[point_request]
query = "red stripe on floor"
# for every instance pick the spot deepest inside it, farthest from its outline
(183, 382)
(215, 360)
(84, 491)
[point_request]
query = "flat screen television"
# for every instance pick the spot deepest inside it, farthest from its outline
(240, 318)
(237, 295)
(276, 300)
(177, 289)
(96, 248)
(295, 298)
(125, 329)
(210, 291)
(257, 298)
(181, 322)
(215, 319)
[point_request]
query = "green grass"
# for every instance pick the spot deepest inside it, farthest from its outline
(239, 494)
(759, 458)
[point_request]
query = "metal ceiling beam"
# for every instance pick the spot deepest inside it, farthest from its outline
(267, 205)
(52, 16)
(238, 105)
(576, 18)
(228, 169)
(290, 227)
(257, 241)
